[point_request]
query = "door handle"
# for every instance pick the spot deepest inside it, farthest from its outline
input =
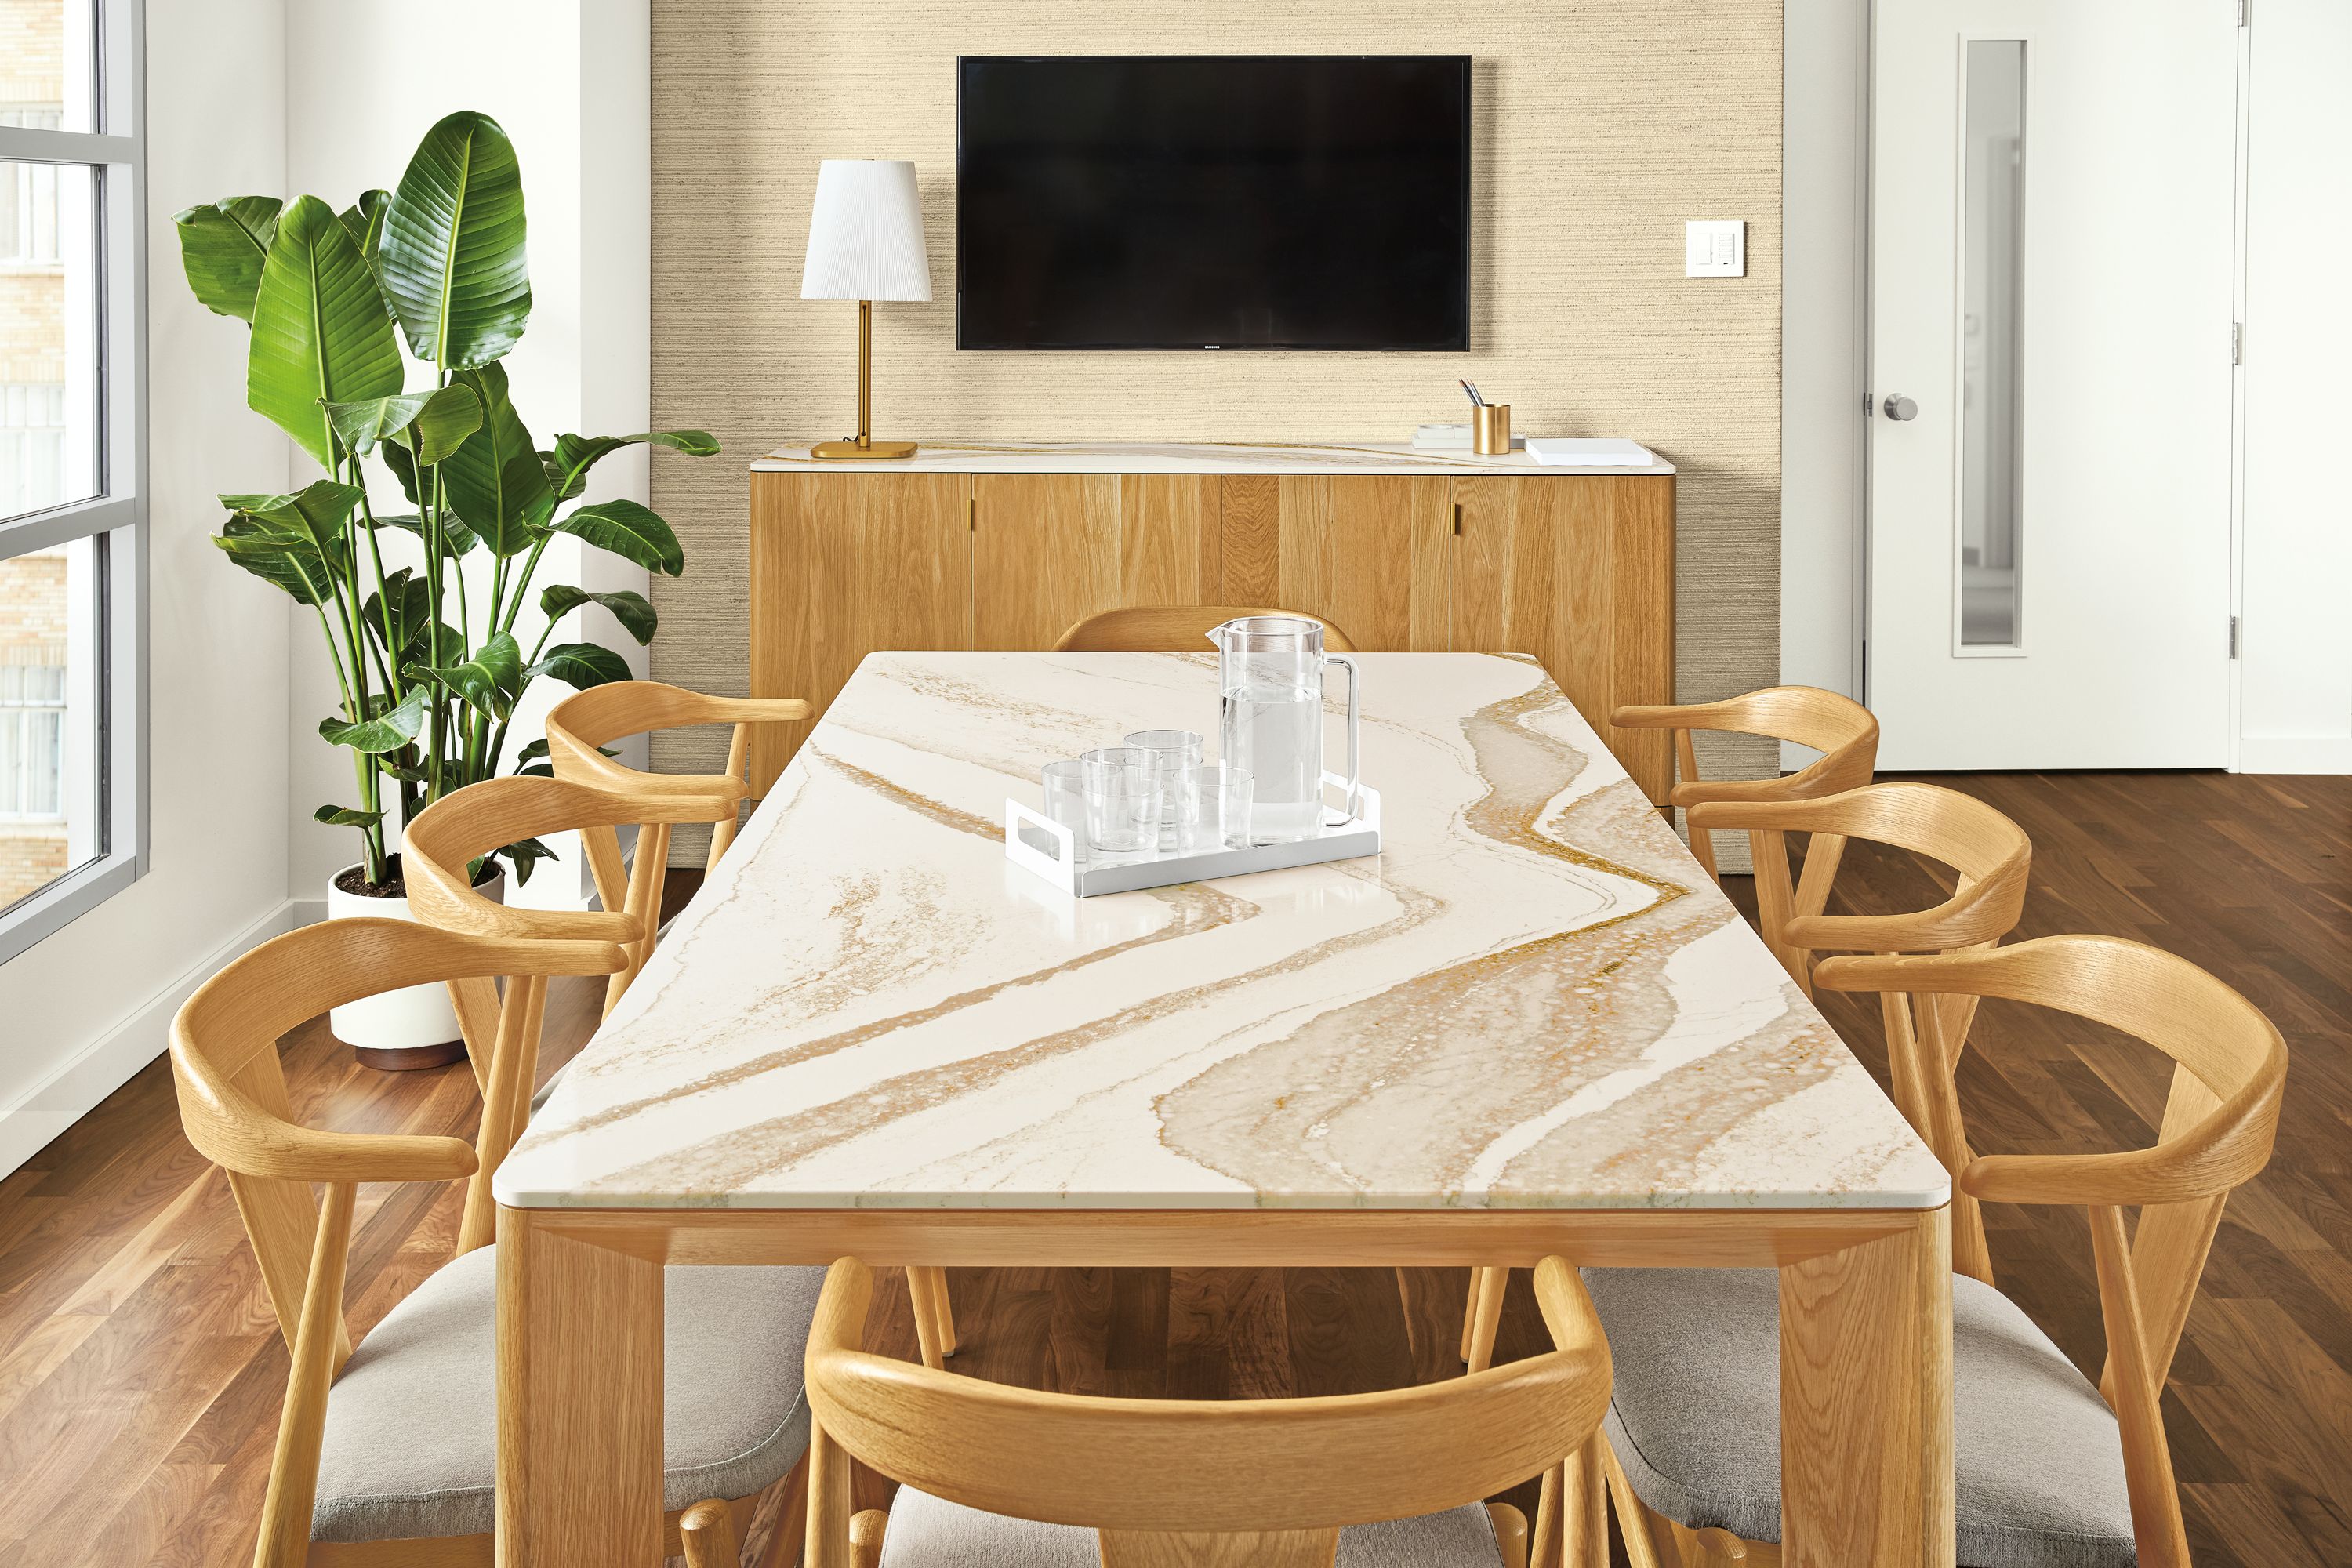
(1899, 407)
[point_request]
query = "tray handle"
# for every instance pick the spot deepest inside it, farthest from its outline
(1060, 868)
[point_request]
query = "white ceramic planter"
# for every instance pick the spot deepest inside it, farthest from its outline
(399, 1031)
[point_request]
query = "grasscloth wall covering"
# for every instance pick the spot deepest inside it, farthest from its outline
(1601, 125)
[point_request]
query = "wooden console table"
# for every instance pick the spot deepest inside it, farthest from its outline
(1007, 546)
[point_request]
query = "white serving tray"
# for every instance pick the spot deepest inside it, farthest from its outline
(1029, 832)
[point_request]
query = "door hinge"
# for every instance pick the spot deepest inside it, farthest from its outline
(2234, 636)
(2237, 343)
(1457, 519)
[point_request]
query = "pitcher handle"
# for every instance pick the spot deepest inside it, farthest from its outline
(1355, 763)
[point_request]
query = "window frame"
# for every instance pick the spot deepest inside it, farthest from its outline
(117, 151)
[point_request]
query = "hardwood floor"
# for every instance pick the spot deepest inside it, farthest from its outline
(140, 1370)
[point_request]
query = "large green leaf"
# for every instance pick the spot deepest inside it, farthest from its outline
(222, 248)
(488, 682)
(400, 613)
(456, 538)
(525, 853)
(494, 480)
(629, 530)
(319, 331)
(568, 465)
(364, 220)
(319, 514)
(635, 616)
(346, 816)
(387, 732)
(581, 664)
(433, 423)
(277, 558)
(453, 260)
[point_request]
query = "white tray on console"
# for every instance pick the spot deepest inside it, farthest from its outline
(1036, 843)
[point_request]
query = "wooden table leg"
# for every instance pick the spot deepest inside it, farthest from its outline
(1867, 1402)
(580, 1400)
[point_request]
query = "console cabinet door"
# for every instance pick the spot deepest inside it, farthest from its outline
(843, 565)
(1049, 549)
(1367, 552)
(1579, 571)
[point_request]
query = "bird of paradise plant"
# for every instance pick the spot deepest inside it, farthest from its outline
(429, 677)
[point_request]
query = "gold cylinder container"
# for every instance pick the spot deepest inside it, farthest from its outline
(1490, 428)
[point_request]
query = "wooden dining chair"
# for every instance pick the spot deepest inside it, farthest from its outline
(386, 1449)
(441, 848)
(1174, 628)
(1989, 858)
(2051, 1470)
(1842, 730)
(583, 725)
(991, 1475)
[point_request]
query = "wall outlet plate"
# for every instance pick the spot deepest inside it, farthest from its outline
(1714, 248)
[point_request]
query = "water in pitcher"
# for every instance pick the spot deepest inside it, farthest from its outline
(1276, 732)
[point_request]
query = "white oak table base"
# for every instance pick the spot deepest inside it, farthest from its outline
(1865, 1343)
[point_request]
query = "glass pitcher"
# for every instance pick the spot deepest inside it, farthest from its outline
(1270, 671)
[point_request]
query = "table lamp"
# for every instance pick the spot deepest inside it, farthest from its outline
(866, 243)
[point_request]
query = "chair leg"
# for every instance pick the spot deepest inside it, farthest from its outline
(707, 1531)
(1510, 1533)
(1479, 1350)
(942, 1314)
(1584, 1508)
(865, 1538)
(1543, 1541)
(1632, 1516)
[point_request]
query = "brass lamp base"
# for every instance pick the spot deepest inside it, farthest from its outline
(862, 450)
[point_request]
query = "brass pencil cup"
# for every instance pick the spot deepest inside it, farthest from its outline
(1490, 429)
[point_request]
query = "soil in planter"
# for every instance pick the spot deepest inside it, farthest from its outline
(352, 879)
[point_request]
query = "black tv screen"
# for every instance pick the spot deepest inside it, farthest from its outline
(1213, 202)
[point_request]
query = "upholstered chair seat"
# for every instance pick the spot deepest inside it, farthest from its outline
(929, 1533)
(1696, 1417)
(410, 1448)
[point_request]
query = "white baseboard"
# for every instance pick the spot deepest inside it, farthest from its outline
(75, 1088)
(2273, 754)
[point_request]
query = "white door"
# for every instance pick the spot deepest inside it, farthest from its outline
(2052, 189)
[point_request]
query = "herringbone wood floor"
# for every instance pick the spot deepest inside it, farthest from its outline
(141, 1370)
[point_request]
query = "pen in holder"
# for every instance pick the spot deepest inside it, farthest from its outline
(1490, 428)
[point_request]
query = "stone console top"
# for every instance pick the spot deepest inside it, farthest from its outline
(1532, 998)
(1179, 457)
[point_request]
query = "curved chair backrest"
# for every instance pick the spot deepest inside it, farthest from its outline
(1842, 730)
(2219, 1121)
(234, 1107)
(1174, 1481)
(581, 725)
(1990, 853)
(1174, 628)
(438, 849)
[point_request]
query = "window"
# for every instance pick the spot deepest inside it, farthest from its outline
(72, 461)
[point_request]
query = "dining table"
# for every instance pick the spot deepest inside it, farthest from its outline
(1530, 1025)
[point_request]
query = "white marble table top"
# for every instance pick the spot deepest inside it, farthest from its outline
(1532, 998)
(1180, 457)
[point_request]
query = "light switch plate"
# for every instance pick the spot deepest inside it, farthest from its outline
(1714, 248)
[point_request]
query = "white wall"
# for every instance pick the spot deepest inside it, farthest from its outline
(568, 80)
(2294, 692)
(85, 1009)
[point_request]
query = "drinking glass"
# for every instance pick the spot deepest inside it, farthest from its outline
(1065, 801)
(1180, 803)
(1124, 787)
(1224, 817)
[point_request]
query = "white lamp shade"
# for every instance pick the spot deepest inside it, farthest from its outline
(866, 233)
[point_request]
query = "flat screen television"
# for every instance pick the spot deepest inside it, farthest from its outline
(1213, 202)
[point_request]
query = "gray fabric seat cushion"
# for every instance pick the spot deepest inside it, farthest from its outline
(411, 1442)
(1696, 1419)
(926, 1531)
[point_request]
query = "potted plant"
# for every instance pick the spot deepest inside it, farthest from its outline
(418, 606)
